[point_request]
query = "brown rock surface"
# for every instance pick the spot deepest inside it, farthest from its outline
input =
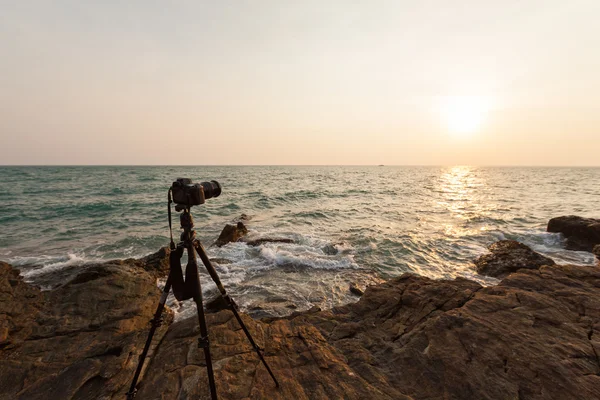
(581, 233)
(78, 341)
(508, 256)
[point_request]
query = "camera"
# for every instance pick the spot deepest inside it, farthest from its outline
(192, 194)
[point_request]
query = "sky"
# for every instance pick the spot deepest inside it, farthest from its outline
(450, 82)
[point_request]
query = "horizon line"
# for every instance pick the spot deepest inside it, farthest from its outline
(306, 165)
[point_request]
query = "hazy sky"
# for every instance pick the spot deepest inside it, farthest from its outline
(481, 82)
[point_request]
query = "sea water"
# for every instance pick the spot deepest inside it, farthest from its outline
(348, 224)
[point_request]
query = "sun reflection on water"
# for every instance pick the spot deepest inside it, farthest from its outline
(462, 189)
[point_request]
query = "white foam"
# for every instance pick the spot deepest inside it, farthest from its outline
(304, 256)
(46, 264)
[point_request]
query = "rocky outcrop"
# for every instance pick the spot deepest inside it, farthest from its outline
(581, 233)
(508, 256)
(231, 233)
(536, 335)
(80, 340)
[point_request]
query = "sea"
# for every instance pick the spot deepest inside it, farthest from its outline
(355, 225)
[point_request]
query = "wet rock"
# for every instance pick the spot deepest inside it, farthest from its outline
(508, 256)
(231, 233)
(330, 249)
(216, 304)
(258, 242)
(244, 217)
(581, 233)
(354, 289)
(222, 261)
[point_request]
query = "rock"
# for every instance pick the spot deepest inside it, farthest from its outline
(20, 307)
(216, 304)
(508, 256)
(231, 233)
(354, 289)
(244, 217)
(596, 251)
(581, 233)
(78, 341)
(157, 263)
(534, 336)
(330, 249)
(221, 261)
(258, 242)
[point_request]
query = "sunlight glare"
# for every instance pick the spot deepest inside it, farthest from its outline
(464, 115)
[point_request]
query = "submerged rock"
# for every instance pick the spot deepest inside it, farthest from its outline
(581, 233)
(222, 261)
(258, 242)
(508, 256)
(231, 233)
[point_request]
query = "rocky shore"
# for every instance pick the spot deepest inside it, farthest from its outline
(536, 335)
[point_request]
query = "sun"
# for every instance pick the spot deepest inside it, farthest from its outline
(463, 115)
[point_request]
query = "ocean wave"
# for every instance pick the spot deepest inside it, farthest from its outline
(294, 256)
(32, 267)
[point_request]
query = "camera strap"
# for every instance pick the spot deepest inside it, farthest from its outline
(170, 200)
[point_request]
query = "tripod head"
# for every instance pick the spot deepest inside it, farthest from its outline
(185, 195)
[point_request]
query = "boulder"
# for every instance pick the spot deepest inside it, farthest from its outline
(231, 233)
(508, 256)
(581, 233)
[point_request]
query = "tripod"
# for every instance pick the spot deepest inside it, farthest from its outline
(190, 288)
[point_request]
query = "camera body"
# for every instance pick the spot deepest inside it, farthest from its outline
(192, 194)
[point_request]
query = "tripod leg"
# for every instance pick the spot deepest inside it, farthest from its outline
(156, 322)
(215, 277)
(204, 343)
(193, 283)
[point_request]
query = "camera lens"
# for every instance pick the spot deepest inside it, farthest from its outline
(211, 189)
